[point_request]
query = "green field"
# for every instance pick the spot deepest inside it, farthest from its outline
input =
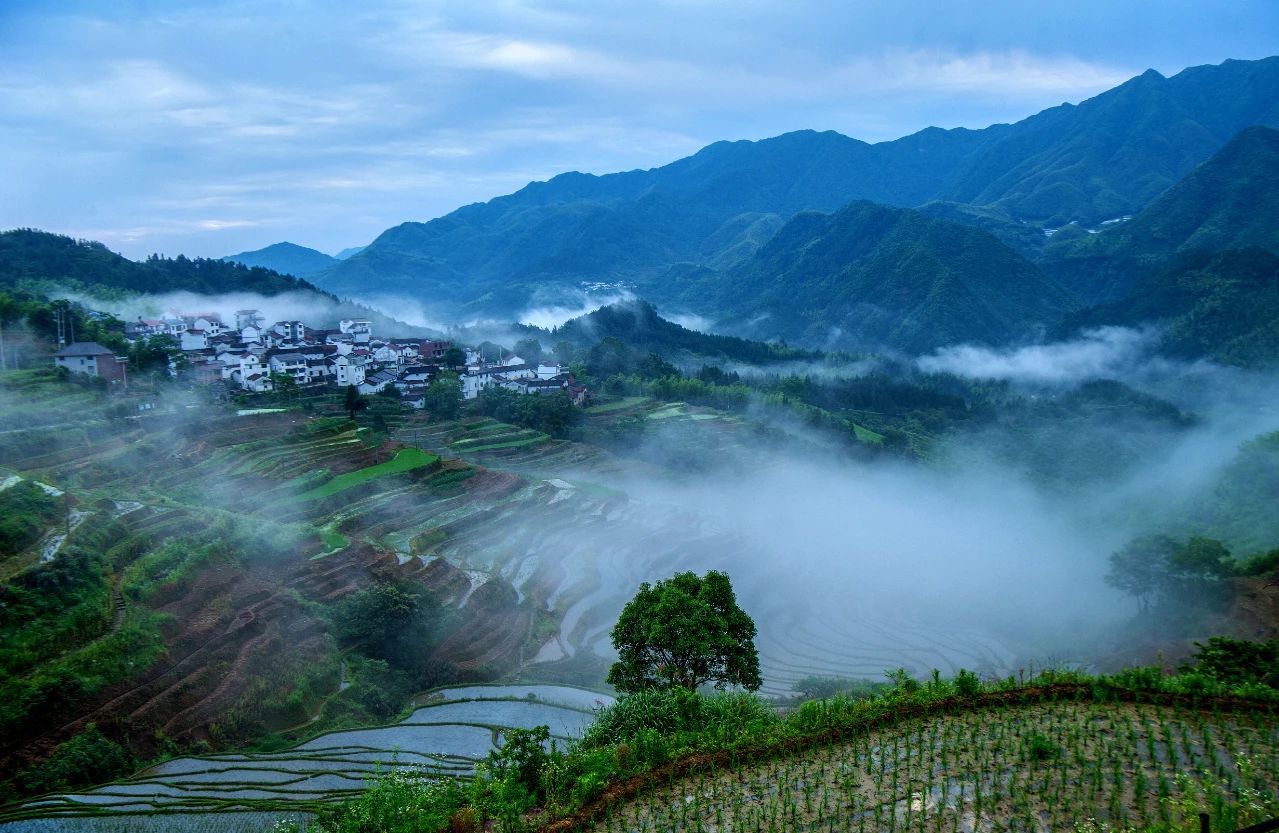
(406, 459)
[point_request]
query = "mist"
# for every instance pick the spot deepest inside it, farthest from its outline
(1107, 352)
(311, 308)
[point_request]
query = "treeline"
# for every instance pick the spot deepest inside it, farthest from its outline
(39, 257)
(29, 322)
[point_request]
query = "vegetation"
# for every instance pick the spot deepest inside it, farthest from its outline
(684, 631)
(1062, 748)
(26, 512)
(405, 460)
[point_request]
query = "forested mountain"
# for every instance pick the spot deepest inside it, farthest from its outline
(1104, 158)
(287, 259)
(1218, 305)
(44, 262)
(1229, 202)
(31, 255)
(870, 275)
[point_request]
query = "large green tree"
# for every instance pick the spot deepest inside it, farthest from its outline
(684, 632)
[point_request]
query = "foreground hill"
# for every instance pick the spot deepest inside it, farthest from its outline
(1101, 159)
(1229, 202)
(871, 275)
(287, 259)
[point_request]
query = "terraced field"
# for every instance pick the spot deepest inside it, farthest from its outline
(453, 730)
(1045, 767)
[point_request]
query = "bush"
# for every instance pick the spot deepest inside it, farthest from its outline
(88, 758)
(678, 712)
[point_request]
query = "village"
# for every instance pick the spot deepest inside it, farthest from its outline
(250, 356)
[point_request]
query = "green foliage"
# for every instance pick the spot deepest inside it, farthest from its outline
(88, 758)
(552, 413)
(391, 623)
(398, 802)
(822, 688)
(684, 631)
(26, 511)
(679, 713)
(353, 402)
(1170, 579)
(1040, 748)
(444, 396)
(1237, 662)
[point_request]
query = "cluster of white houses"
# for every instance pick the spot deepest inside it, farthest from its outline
(255, 357)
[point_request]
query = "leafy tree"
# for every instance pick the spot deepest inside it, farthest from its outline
(684, 632)
(389, 622)
(454, 357)
(354, 403)
(444, 396)
(529, 349)
(1138, 567)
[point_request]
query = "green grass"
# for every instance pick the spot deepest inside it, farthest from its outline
(866, 435)
(534, 440)
(407, 459)
(619, 405)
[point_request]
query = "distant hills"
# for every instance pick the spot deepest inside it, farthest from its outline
(869, 275)
(39, 256)
(1201, 260)
(1099, 160)
(287, 259)
(42, 262)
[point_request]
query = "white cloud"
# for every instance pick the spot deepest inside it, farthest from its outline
(1107, 352)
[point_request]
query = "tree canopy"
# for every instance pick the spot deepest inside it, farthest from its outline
(684, 632)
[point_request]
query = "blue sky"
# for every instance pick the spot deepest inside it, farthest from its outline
(211, 128)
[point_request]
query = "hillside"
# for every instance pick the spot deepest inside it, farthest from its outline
(1231, 201)
(1103, 158)
(39, 256)
(47, 263)
(1222, 306)
(287, 259)
(870, 276)
(638, 324)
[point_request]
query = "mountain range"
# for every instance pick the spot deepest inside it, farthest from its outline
(1105, 158)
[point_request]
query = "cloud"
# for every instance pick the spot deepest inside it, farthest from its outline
(1102, 353)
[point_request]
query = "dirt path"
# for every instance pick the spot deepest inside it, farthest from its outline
(117, 599)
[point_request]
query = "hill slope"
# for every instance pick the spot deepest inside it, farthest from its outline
(1229, 202)
(287, 259)
(1105, 157)
(31, 255)
(870, 275)
(1222, 306)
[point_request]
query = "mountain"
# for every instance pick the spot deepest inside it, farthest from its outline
(43, 261)
(287, 259)
(1229, 202)
(1222, 306)
(347, 252)
(40, 256)
(1104, 158)
(870, 275)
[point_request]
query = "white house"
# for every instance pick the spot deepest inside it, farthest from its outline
(377, 382)
(348, 370)
(251, 334)
(193, 339)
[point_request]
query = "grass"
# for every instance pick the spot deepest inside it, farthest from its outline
(866, 435)
(407, 459)
(620, 405)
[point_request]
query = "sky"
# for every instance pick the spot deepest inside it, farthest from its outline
(217, 127)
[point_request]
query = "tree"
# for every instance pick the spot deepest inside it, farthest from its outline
(529, 349)
(443, 398)
(684, 632)
(390, 622)
(1139, 567)
(454, 357)
(354, 403)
